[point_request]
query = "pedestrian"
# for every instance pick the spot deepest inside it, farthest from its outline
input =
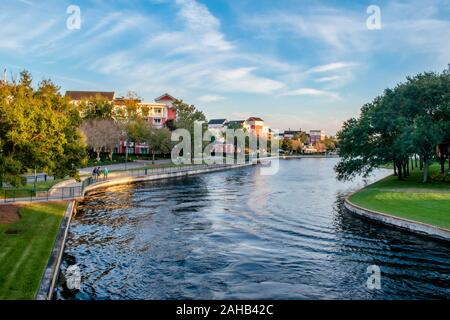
(94, 173)
(98, 172)
(105, 173)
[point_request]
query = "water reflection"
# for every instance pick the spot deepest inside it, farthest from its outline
(237, 234)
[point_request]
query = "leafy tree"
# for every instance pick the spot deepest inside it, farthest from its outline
(411, 119)
(138, 129)
(38, 131)
(159, 141)
(97, 108)
(101, 135)
(187, 115)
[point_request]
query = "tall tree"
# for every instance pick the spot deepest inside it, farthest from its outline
(101, 135)
(409, 120)
(38, 130)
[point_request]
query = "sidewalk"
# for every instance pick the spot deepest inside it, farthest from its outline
(122, 166)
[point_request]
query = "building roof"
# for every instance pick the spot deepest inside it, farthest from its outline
(217, 121)
(82, 95)
(232, 122)
(294, 132)
(165, 97)
(254, 119)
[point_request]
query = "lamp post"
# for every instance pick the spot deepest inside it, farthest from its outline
(35, 180)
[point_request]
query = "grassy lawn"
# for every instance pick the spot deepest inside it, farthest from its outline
(26, 247)
(411, 199)
(26, 190)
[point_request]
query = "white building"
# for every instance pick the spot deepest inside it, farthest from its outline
(316, 136)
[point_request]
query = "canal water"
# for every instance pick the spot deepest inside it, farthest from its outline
(240, 235)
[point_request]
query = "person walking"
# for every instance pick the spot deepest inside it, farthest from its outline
(94, 173)
(105, 173)
(98, 172)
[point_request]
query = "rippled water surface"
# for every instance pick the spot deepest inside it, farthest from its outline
(240, 235)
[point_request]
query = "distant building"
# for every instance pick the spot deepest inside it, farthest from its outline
(168, 100)
(256, 125)
(316, 136)
(290, 134)
(217, 127)
(159, 114)
(217, 123)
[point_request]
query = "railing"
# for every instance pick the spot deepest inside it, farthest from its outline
(11, 195)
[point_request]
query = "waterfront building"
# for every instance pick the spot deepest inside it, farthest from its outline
(290, 134)
(316, 136)
(256, 125)
(218, 124)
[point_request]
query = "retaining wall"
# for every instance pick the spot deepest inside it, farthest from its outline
(397, 222)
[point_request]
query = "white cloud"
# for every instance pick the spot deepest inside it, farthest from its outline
(210, 98)
(328, 79)
(244, 80)
(331, 67)
(201, 23)
(312, 92)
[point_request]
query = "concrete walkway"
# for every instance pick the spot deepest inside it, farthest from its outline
(123, 166)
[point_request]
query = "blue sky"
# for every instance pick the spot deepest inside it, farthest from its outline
(296, 64)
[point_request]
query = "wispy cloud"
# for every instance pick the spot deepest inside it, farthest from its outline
(210, 98)
(328, 79)
(331, 67)
(312, 92)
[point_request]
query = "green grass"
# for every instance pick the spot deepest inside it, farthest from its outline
(410, 199)
(24, 256)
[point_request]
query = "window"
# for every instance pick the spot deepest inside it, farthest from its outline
(157, 121)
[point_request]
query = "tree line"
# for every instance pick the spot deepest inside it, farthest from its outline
(410, 122)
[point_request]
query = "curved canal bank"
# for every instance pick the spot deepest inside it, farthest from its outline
(420, 228)
(408, 204)
(237, 234)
